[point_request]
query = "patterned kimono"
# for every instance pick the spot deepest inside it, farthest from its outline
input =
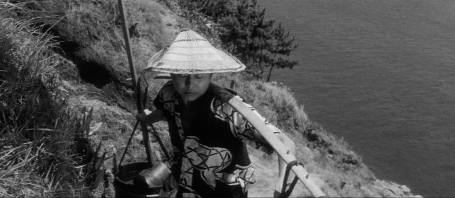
(212, 146)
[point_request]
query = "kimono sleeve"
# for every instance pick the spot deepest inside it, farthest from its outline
(159, 101)
(165, 99)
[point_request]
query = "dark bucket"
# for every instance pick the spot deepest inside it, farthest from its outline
(124, 187)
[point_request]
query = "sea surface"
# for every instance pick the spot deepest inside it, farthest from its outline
(380, 74)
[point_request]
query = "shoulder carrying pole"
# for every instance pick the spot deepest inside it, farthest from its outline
(268, 135)
(145, 134)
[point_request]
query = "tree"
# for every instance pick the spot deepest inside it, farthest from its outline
(245, 33)
(281, 45)
(216, 8)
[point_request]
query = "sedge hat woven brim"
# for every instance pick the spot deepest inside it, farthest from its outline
(190, 53)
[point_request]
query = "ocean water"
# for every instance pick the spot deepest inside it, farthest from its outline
(380, 74)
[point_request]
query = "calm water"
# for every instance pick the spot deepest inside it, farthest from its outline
(381, 74)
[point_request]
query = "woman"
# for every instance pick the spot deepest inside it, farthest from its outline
(208, 135)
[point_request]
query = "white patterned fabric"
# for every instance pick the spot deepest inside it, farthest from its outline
(213, 145)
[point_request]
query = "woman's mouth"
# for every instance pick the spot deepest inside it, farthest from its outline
(190, 93)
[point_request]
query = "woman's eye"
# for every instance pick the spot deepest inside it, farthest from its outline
(198, 76)
(182, 75)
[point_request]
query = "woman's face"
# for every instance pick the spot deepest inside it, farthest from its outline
(191, 86)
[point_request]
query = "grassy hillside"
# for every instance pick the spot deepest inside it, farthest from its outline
(60, 58)
(37, 149)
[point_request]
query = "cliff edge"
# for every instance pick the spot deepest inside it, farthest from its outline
(90, 63)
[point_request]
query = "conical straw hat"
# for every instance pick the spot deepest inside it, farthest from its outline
(190, 53)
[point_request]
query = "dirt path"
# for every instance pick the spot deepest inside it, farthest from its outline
(266, 175)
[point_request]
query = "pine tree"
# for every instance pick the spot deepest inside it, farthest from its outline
(281, 45)
(217, 9)
(246, 34)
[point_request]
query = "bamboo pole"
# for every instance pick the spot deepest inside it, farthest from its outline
(269, 136)
(126, 35)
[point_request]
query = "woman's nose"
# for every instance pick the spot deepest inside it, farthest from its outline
(189, 81)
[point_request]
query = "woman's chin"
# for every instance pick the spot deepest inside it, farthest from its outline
(191, 97)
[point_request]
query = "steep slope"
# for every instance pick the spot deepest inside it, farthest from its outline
(95, 74)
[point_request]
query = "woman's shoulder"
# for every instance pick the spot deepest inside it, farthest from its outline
(168, 87)
(167, 91)
(221, 109)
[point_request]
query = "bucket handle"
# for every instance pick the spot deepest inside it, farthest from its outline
(128, 144)
(144, 102)
(154, 133)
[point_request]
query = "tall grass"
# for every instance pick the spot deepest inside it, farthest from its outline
(36, 129)
(95, 26)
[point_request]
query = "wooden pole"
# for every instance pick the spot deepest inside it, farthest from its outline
(269, 136)
(126, 34)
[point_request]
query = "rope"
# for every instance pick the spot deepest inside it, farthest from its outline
(129, 141)
(157, 137)
(154, 131)
(284, 193)
(144, 102)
